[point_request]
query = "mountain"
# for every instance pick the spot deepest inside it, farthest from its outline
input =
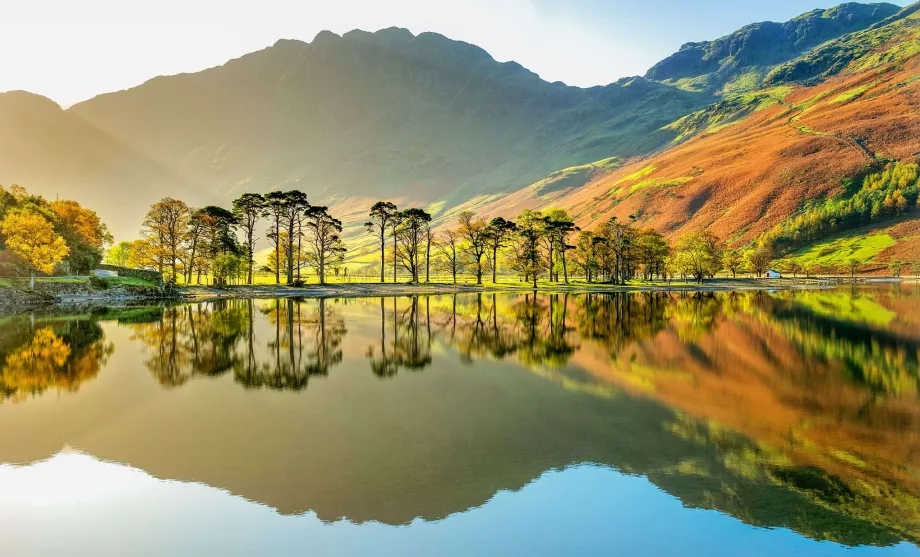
(381, 114)
(740, 61)
(418, 119)
(55, 154)
(838, 122)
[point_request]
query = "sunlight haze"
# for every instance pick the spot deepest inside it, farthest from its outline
(72, 51)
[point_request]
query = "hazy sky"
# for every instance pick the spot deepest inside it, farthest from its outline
(71, 50)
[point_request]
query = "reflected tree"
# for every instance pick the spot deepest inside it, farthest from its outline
(409, 344)
(57, 355)
(307, 343)
(194, 339)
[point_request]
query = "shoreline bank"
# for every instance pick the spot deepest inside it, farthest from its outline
(12, 300)
(357, 290)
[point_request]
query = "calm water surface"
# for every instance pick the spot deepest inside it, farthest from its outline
(750, 424)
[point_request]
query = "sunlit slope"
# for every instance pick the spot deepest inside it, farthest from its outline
(876, 247)
(750, 162)
(52, 153)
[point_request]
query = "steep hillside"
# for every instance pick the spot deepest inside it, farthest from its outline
(382, 114)
(740, 61)
(426, 120)
(52, 153)
(755, 161)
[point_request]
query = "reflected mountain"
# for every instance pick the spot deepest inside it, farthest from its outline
(762, 406)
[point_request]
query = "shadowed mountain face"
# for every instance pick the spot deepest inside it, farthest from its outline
(774, 409)
(55, 154)
(380, 114)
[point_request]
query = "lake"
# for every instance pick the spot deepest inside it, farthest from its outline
(645, 424)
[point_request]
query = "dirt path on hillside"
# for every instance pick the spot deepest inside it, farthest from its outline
(854, 143)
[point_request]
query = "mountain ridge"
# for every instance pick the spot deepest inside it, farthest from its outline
(759, 165)
(366, 115)
(725, 62)
(370, 113)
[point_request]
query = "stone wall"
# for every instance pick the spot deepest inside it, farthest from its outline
(142, 274)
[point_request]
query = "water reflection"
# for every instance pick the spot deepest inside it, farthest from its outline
(790, 409)
(210, 339)
(49, 354)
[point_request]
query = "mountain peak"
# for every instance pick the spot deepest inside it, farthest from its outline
(326, 35)
(711, 66)
(27, 100)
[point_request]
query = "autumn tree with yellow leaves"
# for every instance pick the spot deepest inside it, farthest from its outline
(32, 237)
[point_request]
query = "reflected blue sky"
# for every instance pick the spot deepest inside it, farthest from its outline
(96, 508)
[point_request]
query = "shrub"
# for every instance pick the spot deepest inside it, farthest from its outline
(298, 283)
(98, 283)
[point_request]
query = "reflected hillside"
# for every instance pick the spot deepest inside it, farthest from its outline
(834, 398)
(763, 406)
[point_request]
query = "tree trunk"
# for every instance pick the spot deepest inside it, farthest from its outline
(428, 260)
(322, 267)
(251, 245)
(31, 279)
(191, 261)
(290, 253)
(394, 253)
(565, 269)
(173, 263)
(299, 249)
(277, 252)
(494, 262)
(383, 249)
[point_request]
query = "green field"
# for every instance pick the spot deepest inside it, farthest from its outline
(857, 308)
(837, 251)
(23, 282)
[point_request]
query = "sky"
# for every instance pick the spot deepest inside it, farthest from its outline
(72, 50)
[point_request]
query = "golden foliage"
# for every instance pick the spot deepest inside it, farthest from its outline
(32, 237)
(84, 222)
(48, 361)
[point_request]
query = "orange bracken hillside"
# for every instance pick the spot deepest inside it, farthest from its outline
(743, 178)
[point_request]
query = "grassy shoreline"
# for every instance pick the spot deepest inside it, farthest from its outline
(13, 299)
(343, 290)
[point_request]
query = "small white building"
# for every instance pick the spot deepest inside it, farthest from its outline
(773, 274)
